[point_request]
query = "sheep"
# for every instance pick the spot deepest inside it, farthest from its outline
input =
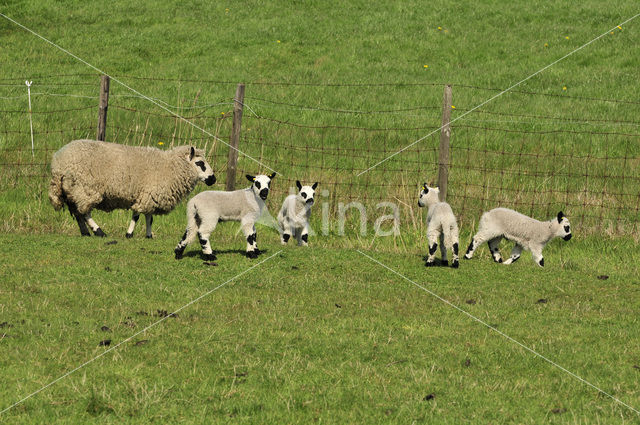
(293, 218)
(88, 174)
(528, 233)
(441, 224)
(207, 208)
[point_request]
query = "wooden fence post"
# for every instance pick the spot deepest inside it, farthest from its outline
(104, 105)
(445, 134)
(232, 162)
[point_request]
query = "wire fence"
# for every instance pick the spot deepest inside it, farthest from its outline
(536, 152)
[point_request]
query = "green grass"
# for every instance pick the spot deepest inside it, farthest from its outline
(324, 334)
(356, 343)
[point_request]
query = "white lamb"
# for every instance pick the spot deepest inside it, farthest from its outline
(293, 218)
(528, 233)
(441, 224)
(88, 174)
(207, 208)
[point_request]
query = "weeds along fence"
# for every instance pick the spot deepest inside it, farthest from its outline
(537, 152)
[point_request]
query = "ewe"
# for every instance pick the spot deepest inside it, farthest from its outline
(528, 233)
(441, 224)
(207, 208)
(88, 174)
(293, 218)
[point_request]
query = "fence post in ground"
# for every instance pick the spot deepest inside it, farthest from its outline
(104, 105)
(445, 134)
(232, 162)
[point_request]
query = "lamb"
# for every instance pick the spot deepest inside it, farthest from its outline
(293, 218)
(528, 233)
(206, 209)
(441, 224)
(88, 174)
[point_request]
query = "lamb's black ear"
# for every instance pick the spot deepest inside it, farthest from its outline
(192, 153)
(251, 178)
(425, 188)
(314, 186)
(272, 175)
(298, 185)
(560, 216)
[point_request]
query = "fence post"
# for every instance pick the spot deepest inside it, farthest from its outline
(445, 134)
(232, 162)
(104, 105)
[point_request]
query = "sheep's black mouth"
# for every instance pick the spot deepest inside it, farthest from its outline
(310, 201)
(263, 197)
(210, 180)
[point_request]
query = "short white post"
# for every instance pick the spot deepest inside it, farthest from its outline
(28, 83)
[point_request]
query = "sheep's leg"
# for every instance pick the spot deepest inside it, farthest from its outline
(515, 254)
(443, 250)
(132, 225)
(304, 234)
(204, 232)
(451, 242)
(148, 218)
(495, 251)
(537, 255)
(286, 231)
(432, 235)
(94, 226)
(82, 224)
(476, 241)
(250, 233)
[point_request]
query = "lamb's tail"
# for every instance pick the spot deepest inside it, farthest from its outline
(191, 231)
(56, 193)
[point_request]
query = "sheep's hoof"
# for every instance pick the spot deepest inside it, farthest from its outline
(178, 253)
(209, 257)
(445, 262)
(466, 257)
(455, 264)
(100, 233)
(149, 236)
(429, 264)
(252, 254)
(128, 235)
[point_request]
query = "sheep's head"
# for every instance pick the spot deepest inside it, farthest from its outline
(428, 196)
(260, 184)
(562, 226)
(305, 193)
(200, 165)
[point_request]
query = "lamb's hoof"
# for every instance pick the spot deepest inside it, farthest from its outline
(445, 263)
(429, 264)
(466, 258)
(178, 253)
(257, 251)
(85, 234)
(209, 257)
(100, 233)
(149, 236)
(252, 254)
(128, 235)
(455, 264)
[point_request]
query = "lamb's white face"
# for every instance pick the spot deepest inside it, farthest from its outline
(564, 228)
(428, 195)
(202, 167)
(306, 193)
(261, 185)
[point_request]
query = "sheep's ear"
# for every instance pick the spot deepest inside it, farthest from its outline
(298, 185)
(560, 216)
(272, 175)
(192, 153)
(425, 188)
(251, 178)
(314, 186)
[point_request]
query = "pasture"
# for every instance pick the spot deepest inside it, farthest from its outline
(326, 334)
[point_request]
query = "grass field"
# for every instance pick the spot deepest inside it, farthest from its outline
(325, 334)
(356, 343)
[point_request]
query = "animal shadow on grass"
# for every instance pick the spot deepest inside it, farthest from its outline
(198, 254)
(438, 261)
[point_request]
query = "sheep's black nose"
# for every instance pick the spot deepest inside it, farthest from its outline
(210, 180)
(264, 193)
(567, 237)
(310, 201)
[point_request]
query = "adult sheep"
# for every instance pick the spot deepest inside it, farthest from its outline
(88, 174)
